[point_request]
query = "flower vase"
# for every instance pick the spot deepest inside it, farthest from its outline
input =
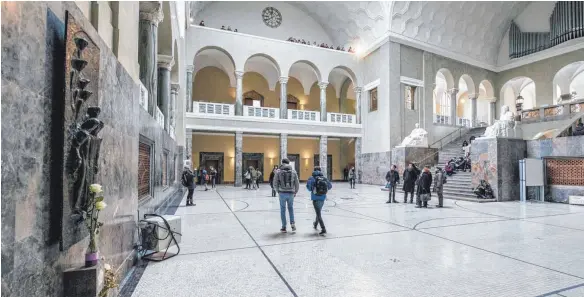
(91, 259)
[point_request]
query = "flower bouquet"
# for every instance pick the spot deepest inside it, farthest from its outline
(95, 204)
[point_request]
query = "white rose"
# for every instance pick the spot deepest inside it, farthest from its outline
(95, 188)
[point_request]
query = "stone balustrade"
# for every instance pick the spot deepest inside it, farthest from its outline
(342, 118)
(303, 115)
(213, 108)
(159, 117)
(261, 112)
(552, 112)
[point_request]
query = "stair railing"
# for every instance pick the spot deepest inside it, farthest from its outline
(442, 141)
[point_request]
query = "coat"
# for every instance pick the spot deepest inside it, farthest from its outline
(271, 180)
(410, 176)
(438, 180)
(310, 185)
(425, 183)
(392, 177)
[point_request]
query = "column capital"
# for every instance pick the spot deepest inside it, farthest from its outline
(151, 11)
(239, 73)
(358, 89)
(473, 96)
(283, 79)
(165, 61)
(190, 68)
(452, 91)
(174, 87)
(322, 85)
(491, 100)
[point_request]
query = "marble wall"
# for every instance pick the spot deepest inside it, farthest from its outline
(32, 87)
(572, 146)
(496, 160)
(374, 166)
(421, 156)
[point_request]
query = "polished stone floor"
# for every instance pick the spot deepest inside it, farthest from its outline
(231, 246)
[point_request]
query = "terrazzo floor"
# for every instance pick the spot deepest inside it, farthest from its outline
(231, 246)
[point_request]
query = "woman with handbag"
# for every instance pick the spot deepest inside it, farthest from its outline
(424, 184)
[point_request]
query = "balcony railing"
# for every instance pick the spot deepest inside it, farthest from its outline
(303, 115)
(552, 112)
(341, 118)
(463, 122)
(213, 108)
(261, 112)
(159, 117)
(442, 119)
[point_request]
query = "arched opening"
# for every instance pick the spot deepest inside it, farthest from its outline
(486, 95)
(569, 82)
(519, 94)
(466, 90)
(341, 80)
(443, 83)
(213, 76)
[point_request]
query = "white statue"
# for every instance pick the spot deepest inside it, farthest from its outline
(506, 126)
(418, 137)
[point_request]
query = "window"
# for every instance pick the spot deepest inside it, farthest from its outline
(144, 169)
(441, 106)
(164, 169)
(373, 100)
(410, 92)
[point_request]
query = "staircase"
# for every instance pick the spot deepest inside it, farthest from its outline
(459, 185)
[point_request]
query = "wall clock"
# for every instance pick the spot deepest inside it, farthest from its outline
(272, 17)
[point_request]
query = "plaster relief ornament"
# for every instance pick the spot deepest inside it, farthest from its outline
(418, 138)
(505, 127)
(272, 17)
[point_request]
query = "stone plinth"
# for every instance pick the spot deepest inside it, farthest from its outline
(401, 156)
(496, 160)
(81, 282)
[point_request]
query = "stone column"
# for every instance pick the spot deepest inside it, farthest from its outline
(189, 146)
(189, 89)
(165, 64)
(492, 111)
(283, 98)
(238, 158)
(323, 155)
(174, 88)
(453, 93)
(322, 86)
(150, 16)
(358, 159)
(473, 109)
(358, 91)
(239, 93)
(283, 147)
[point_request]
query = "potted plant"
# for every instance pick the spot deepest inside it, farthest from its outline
(95, 204)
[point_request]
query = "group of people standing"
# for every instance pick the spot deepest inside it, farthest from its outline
(252, 178)
(416, 180)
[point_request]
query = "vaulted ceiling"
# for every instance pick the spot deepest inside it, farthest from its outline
(470, 28)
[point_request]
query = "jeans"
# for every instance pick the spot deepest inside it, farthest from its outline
(247, 183)
(190, 195)
(392, 193)
(289, 199)
(213, 181)
(411, 196)
(440, 196)
(352, 183)
(318, 209)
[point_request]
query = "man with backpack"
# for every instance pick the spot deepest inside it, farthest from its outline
(188, 180)
(392, 178)
(439, 181)
(318, 185)
(287, 184)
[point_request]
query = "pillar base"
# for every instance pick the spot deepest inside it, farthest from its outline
(401, 156)
(496, 160)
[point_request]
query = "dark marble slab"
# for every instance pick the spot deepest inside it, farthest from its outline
(421, 156)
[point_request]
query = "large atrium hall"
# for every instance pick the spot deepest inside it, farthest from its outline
(292, 148)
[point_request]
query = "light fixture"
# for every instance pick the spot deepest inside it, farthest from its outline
(519, 103)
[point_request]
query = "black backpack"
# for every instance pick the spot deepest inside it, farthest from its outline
(286, 179)
(184, 179)
(320, 186)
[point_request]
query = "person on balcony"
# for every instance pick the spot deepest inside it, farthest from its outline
(222, 27)
(202, 23)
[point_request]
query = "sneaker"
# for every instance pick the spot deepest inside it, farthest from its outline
(283, 230)
(322, 233)
(314, 225)
(293, 227)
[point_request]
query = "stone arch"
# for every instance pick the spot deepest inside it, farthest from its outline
(347, 71)
(515, 87)
(567, 80)
(266, 66)
(447, 75)
(216, 57)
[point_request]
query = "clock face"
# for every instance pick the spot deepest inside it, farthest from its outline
(272, 17)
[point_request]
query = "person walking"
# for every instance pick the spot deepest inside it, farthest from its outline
(213, 176)
(205, 177)
(392, 178)
(247, 176)
(318, 186)
(259, 178)
(352, 177)
(410, 176)
(188, 180)
(287, 184)
(254, 177)
(424, 185)
(271, 180)
(439, 181)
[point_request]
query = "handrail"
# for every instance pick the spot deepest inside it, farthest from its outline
(448, 135)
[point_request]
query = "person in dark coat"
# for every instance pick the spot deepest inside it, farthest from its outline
(271, 180)
(188, 180)
(346, 174)
(578, 130)
(424, 185)
(392, 178)
(410, 176)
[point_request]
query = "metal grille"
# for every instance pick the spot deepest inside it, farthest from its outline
(164, 169)
(565, 172)
(144, 152)
(553, 111)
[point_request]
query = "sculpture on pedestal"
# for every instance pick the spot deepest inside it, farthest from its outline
(418, 138)
(506, 126)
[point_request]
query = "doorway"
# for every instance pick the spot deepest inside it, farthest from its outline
(295, 162)
(256, 160)
(329, 165)
(215, 159)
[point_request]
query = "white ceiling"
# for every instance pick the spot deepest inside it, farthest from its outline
(470, 28)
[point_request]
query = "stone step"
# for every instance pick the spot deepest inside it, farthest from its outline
(469, 199)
